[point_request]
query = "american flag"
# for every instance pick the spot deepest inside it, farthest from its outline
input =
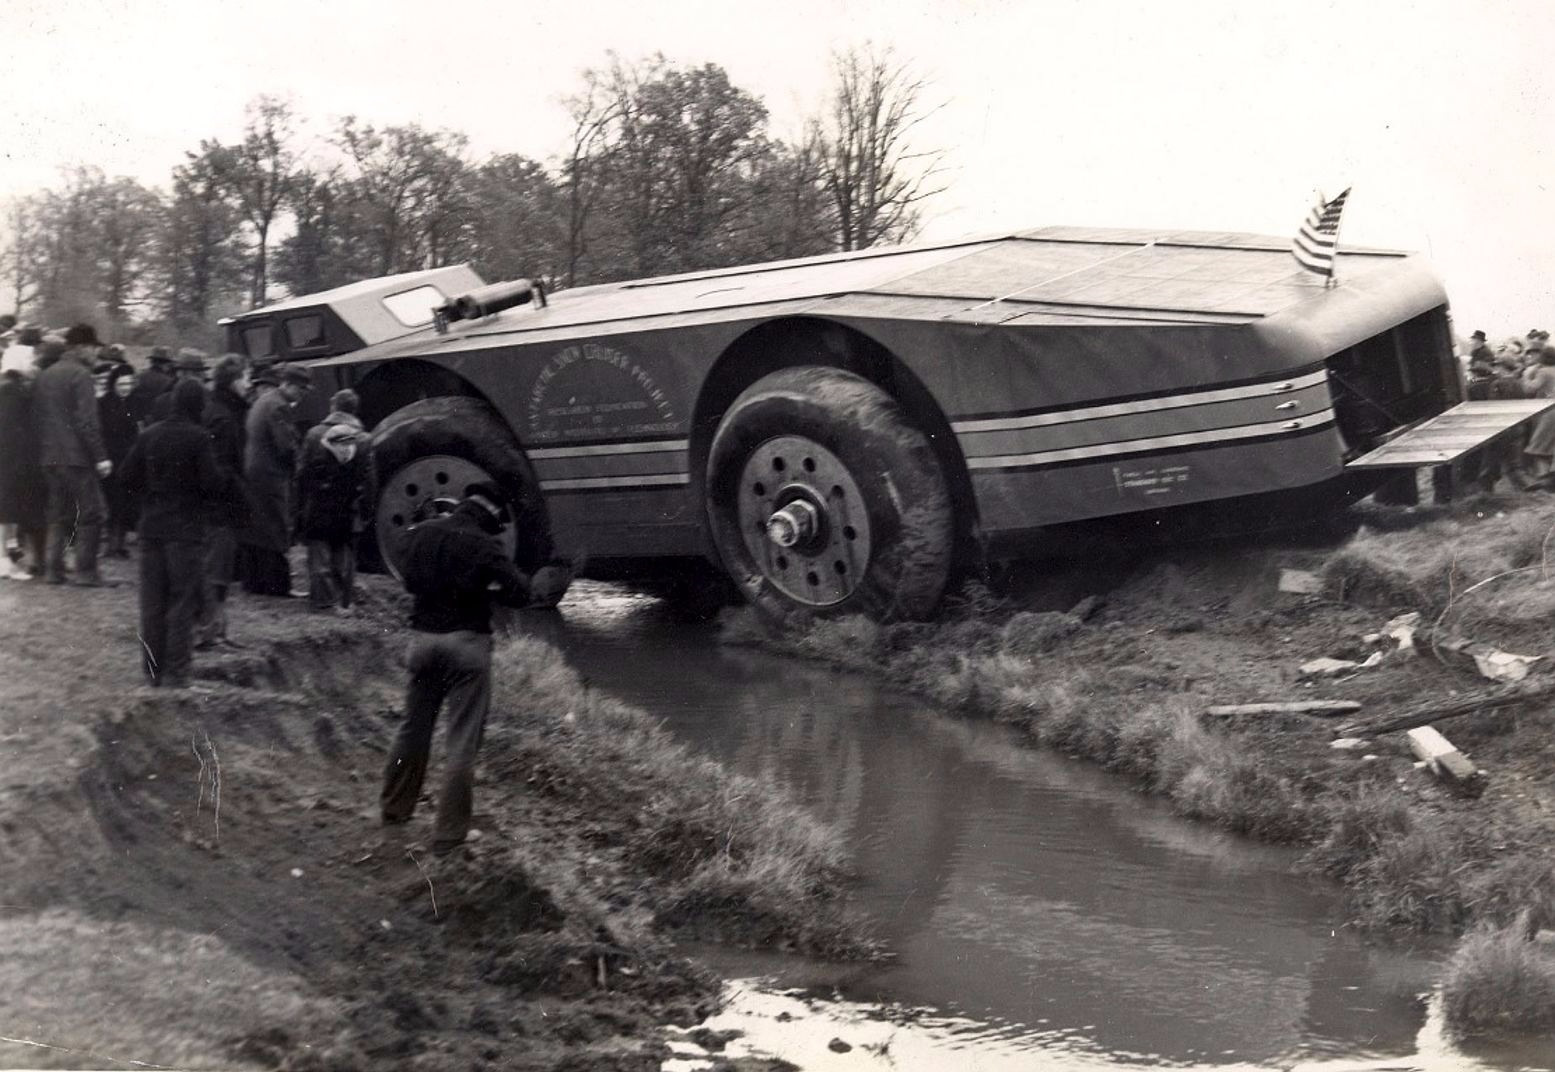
(1319, 235)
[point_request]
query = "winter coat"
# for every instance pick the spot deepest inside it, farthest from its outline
(173, 470)
(269, 457)
(226, 417)
(334, 480)
(64, 408)
(455, 571)
(151, 385)
(1507, 385)
(118, 425)
(22, 493)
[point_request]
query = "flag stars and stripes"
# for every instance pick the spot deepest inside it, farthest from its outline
(1318, 238)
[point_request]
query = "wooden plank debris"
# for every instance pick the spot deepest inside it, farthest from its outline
(1300, 582)
(1421, 716)
(1303, 707)
(1446, 761)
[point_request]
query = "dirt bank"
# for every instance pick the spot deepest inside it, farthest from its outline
(1126, 678)
(198, 879)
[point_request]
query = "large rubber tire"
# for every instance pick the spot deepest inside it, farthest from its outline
(468, 433)
(843, 445)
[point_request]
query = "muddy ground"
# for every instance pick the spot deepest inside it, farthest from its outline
(198, 879)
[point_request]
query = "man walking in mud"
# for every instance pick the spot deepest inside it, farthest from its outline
(455, 568)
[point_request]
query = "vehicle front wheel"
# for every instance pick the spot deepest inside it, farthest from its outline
(824, 500)
(429, 452)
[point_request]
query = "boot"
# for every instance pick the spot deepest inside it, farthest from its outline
(88, 539)
(54, 554)
(116, 548)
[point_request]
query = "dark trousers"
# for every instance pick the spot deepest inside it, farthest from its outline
(172, 574)
(264, 572)
(456, 667)
(76, 515)
(331, 573)
(75, 495)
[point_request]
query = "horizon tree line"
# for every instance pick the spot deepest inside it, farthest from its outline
(667, 168)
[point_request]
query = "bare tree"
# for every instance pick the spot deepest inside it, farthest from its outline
(877, 180)
(788, 214)
(259, 171)
(126, 218)
(332, 242)
(65, 254)
(200, 255)
(403, 172)
(17, 259)
(593, 112)
(517, 220)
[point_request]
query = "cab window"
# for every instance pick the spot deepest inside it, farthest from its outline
(413, 308)
(259, 341)
(304, 332)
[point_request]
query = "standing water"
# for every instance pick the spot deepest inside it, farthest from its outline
(1041, 913)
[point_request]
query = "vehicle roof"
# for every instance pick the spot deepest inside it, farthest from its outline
(360, 304)
(1047, 276)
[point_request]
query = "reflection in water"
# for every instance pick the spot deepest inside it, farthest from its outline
(1035, 899)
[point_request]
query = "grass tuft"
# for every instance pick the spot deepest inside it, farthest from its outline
(1499, 983)
(737, 847)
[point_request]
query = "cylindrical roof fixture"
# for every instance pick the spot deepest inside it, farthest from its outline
(490, 300)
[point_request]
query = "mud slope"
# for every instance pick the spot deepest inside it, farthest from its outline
(199, 880)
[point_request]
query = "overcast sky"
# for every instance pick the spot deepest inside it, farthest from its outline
(1196, 113)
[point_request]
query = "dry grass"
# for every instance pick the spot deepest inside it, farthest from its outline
(1499, 983)
(1472, 570)
(740, 858)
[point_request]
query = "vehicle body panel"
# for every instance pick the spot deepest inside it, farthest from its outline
(1082, 373)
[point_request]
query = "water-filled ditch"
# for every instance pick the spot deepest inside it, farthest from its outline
(1038, 908)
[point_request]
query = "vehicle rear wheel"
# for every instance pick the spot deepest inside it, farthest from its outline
(429, 452)
(823, 500)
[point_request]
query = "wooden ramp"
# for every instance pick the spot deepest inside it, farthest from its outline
(1449, 436)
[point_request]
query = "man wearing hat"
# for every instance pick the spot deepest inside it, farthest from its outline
(190, 365)
(73, 455)
(269, 459)
(1480, 352)
(151, 385)
(455, 569)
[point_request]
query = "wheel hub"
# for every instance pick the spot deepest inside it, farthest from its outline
(422, 489)
(803, 519)
(796, 525)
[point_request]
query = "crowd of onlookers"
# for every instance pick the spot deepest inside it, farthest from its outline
(203, 461)
(1515, 368)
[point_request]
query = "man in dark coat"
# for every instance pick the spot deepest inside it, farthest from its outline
(74, 457)
(22, 493)
(151, 385)
(172, 469)
(226, 417)
(269, 460)
(189, 366)
(455, 568)
(335, 495)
